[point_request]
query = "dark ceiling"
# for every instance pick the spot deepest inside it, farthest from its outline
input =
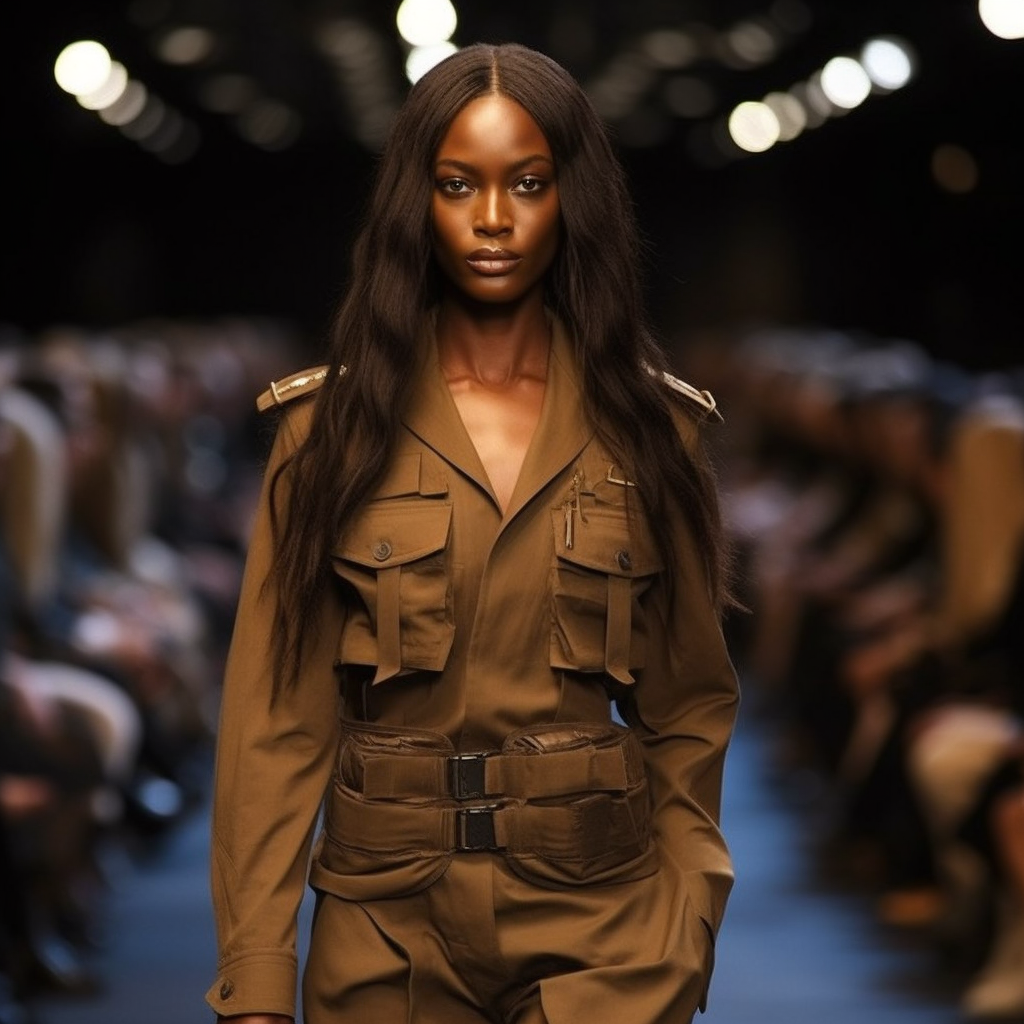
(845, 226)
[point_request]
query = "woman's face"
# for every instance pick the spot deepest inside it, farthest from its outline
(495, 202)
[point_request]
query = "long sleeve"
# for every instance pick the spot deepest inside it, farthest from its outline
(273, 762)
(687, 700)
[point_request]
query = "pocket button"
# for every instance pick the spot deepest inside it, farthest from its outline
(382, 551)
(625, 562)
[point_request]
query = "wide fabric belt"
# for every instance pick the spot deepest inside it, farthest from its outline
(561, 759)
(558, 791)
(480, 775)
(578, 831)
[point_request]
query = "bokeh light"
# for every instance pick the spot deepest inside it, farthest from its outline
(127, 106)
(754, 127)
(670, 48)
(82, 67)
(753, 42)
(422, 58)
(426, 22)
(845, 82)
(888, 62)
(1003, 18)
(790, 113)
(187, 44)
(954, 169)
(269, 124)
(109, 92)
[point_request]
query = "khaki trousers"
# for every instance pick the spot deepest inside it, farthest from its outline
(484, 945)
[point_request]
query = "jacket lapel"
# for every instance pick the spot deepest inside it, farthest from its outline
(433, 417)
(562, 431)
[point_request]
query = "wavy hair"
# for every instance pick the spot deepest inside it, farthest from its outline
(593, 286)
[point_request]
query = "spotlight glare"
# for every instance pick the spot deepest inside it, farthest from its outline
(888, 62)
(845, 82)
(82, 67)
(109, 92)
(426, 22)
(422, 58)
(754, 127)
(1003, 18)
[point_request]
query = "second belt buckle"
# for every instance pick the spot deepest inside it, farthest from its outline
(474, 829)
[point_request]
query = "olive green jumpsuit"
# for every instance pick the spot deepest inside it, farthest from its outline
(457, 627)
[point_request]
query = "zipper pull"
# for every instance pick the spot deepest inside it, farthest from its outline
(568, 524)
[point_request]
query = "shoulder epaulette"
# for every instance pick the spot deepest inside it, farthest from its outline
(703, 399)
(305, 382)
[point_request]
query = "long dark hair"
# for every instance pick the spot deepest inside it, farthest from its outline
(593, 287)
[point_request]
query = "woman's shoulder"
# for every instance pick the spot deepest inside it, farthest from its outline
(296, 385)
(696, 401)
(691, 407)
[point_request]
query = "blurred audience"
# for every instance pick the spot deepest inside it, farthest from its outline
(876, 498)
(129, 464)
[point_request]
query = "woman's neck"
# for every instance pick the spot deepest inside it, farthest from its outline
(495, 346)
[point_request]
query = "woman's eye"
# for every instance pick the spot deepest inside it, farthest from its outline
(454, 186)
(529, 185)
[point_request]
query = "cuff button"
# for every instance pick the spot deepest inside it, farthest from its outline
(227, 990)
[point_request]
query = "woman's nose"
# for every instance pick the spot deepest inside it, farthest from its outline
(492, 213)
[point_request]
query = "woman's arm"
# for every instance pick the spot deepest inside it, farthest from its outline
(685, 703)
(274, 757)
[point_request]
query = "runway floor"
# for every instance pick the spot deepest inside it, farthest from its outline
(793, 950)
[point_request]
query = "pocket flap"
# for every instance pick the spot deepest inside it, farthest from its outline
(394, 533)
(408, 474)
(604, 542)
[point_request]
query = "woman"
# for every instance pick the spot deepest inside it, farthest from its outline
(483, 530)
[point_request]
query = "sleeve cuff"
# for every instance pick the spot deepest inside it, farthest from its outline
(255, 983)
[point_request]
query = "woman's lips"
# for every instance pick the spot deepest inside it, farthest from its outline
(493, 261)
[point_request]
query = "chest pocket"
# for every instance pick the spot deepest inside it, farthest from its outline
(599, 623)
(396, 556)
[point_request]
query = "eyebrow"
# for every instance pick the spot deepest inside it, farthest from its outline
(518, 165)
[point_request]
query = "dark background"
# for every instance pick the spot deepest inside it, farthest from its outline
(844, 228)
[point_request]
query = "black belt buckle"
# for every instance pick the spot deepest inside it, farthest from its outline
(467, 776)
(474, 829)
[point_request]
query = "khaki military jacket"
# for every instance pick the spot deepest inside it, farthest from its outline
(472, 622)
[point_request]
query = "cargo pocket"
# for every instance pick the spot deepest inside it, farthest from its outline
(601, 837)
(599, 576)
(396, 558)
(366, 853)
